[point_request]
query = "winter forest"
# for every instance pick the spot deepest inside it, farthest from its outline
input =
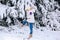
(47, 15)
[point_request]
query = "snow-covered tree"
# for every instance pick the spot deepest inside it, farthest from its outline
(46, 15)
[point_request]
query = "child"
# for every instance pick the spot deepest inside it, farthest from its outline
(30, 19)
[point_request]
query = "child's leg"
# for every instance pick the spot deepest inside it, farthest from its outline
(24, 22)
(31, 30)
(31, 27)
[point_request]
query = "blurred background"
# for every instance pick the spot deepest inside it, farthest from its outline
(47, 14)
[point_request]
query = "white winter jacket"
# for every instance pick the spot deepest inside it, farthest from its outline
(30, 17)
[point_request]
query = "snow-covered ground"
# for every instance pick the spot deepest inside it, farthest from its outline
(22, 34)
